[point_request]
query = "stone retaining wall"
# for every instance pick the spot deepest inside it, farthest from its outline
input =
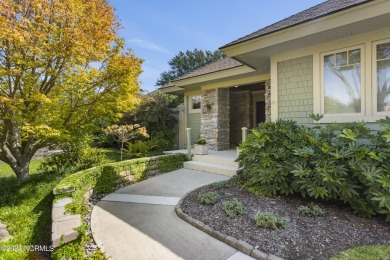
(64, 225)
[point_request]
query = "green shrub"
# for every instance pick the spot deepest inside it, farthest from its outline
(346, 162)
(266, 157)
(171, 162)
(270, 220)
(311, 210)
(209, 197)
(77, 155)
(137, 149)
(220, 185)
(233, 208)
(162, 141)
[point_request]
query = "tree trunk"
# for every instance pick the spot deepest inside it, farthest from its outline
(21, 169)
(18, 159)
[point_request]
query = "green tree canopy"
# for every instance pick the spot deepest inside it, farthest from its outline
(155, 112)
(188, 61)
(62, 68)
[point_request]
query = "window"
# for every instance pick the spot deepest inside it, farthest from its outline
(342, 82)
(383, 77)
(195, 103)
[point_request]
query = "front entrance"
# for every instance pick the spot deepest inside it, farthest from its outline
(260, 112)
(247, 109)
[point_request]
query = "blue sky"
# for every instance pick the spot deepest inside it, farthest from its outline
(157, 30)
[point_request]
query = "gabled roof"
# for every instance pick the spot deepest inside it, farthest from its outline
(219, 65)
(315, 12)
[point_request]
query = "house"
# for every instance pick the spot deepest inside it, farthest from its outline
(331, 59)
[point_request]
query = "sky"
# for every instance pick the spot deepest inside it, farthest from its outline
(156, 30)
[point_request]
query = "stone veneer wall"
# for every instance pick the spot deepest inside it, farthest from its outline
(295, 89)
(215, 118)
(267, 98)
(241, 114)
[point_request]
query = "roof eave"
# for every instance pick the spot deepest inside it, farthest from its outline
(324, 23)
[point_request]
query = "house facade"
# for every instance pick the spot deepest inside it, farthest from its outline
(331, 59)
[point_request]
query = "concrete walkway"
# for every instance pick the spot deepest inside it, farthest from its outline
(139, 221)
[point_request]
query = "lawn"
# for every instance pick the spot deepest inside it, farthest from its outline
(25, 207)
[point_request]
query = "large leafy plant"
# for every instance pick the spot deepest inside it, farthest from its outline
(347, 162)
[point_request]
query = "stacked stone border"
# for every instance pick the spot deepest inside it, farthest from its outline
(64, 225)
(4, 234)
(240, 245)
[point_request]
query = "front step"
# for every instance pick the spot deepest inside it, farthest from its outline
(211, 168)
(215, 160)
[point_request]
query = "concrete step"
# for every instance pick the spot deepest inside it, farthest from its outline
(211, 168)
(215, 159)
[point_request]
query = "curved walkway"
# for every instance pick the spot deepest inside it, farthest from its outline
(139, 221)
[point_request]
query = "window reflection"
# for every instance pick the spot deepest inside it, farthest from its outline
(342, 82)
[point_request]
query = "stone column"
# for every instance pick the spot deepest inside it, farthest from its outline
(267, 96)
(215, 118)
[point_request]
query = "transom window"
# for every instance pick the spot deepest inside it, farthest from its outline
(342, 82)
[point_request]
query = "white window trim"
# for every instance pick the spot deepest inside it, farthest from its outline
(362, 87)
(191, 110)
(369, 40)
(374, 91)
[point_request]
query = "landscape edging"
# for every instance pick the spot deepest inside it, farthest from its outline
(240, 245)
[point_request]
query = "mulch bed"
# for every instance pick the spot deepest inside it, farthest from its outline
(305, 238)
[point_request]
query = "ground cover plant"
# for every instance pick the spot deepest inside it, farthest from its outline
(233, 208)
(209, 198)
(270, 220)
(311, 210)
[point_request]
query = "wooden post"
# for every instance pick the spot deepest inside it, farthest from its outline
(244, 133)
(189, 143)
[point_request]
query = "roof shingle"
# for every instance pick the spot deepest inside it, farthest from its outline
(315, 12)
(222, 64)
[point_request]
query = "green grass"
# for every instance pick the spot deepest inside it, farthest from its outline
(25, 207)
(365, 252)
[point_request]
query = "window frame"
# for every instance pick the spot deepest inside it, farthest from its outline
(190, 103)
(363, 96)
(374, 91)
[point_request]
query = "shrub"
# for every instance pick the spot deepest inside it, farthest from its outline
(220, 185)
(311, 210)
(270, 220)
(346, 162)
(162, 141)
(77, 155)
(233, 208)
(137, 149)
(209, 198)
(266, 157)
